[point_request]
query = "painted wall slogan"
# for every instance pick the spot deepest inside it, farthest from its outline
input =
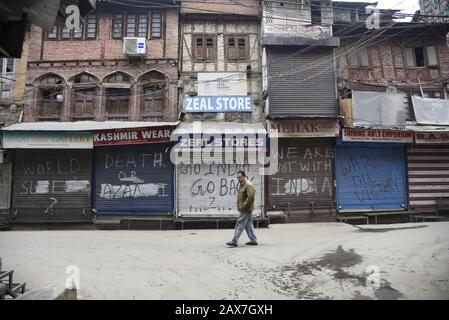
(44, 179)
(211, 189)
(304, 174)
(370, 178)
(137, 177)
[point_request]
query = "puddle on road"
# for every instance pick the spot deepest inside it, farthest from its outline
(302, 279)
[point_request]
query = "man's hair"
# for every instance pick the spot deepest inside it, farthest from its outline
(242, 173)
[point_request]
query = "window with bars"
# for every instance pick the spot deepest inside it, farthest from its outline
(236, 48)
(156, 25)
(87, 31)
(205, 47)
(117, 25)
(137, 24)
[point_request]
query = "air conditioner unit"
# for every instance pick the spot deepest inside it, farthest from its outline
(134, 47)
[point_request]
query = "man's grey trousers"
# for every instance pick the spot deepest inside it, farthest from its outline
(245, 222)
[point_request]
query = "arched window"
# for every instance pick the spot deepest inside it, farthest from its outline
(118, 96)
(153, 96)
(84, 97)
(51, 98)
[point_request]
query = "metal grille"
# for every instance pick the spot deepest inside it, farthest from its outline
(134, 179)
(428, 175)
(52, 179)
(304, 182)
(301, 84)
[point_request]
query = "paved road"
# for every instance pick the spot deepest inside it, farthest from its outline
(293, 261)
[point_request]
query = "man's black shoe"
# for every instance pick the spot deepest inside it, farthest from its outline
(231, 244)
(251, 243)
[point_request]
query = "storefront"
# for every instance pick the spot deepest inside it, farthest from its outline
(304, 182)
(428, 167)
(51, 174)
(133, 172)
(370, 169)
(207, 188)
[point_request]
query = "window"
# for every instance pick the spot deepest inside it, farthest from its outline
(84, 103)
(153, 102)
(421, 56)
(236, 48)
(51, 99)
(118, 99)
(205, 48)
(51, 105)
(358, 58)
(91, 26)
(87, 31)
(153, 98)
(316, 12)
(156, 25)
(6, 77)
(117, 103)
(117, 26)
(136, 25)
(131, 20)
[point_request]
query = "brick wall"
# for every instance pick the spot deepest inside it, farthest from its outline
(100, 58)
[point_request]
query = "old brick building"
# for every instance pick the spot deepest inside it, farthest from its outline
(393, 90)
(85, 74)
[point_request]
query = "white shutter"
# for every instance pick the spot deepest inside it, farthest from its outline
(431, 56)
(410, 57)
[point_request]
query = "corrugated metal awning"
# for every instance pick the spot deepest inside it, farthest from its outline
(85, 125)
(428, 128)
(219, 127)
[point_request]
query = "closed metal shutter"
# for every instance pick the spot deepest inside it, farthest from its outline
(370, 176)
(134, 179)
(304, 182)
(49, 182)
(301, 83)
(5, 184)
(211, 189)
(428, 175)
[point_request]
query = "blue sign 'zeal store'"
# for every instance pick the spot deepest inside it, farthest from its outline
(218, 104)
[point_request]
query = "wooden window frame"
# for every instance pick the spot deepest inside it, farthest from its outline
(72, 37)
(425, 54)
(122, 20)
(237, 38)
(117, 115)
(136, 33)
(358, 52)
(163, 100)
(54, 89)
(83, 116)
(204, 38)
(161, 32)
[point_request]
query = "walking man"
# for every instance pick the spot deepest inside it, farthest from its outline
(245, 206)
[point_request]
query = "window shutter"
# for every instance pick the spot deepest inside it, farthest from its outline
(242, 48)
(364, 58)
(199, 48)
(352, 58)
(410, 57)
(210, 49)
(431, 56)
(231, 48)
